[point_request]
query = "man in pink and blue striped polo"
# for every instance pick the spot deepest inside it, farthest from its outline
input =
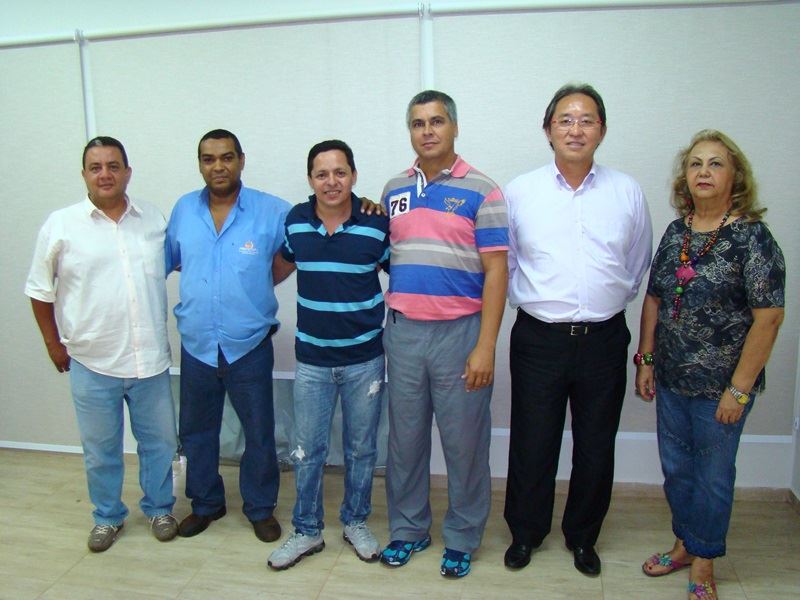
(449, 240)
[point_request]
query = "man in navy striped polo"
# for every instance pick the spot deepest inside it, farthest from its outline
(337, 252)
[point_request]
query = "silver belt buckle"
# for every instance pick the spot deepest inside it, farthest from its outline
(578, 329)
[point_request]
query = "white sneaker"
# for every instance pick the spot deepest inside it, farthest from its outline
(364, 543)
(293, 549)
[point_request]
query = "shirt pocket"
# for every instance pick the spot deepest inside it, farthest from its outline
(152, 253)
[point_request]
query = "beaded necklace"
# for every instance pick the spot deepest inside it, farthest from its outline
(686, 271)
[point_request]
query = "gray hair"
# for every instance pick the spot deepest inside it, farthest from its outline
(433, 96)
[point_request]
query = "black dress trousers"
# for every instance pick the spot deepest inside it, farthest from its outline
(585, 364)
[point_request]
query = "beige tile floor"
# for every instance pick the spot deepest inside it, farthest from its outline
(45, 519)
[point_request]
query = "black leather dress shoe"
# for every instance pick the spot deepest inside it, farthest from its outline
(518, 555)
(194, 523)
(586, 559)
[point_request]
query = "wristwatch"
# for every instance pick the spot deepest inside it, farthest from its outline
(741, 397)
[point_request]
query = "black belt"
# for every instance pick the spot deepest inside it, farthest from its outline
(583, 328)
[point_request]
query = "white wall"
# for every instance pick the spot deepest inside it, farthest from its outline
(795, 485)
(664, 73)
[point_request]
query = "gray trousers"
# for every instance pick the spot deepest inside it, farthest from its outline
(425, 362)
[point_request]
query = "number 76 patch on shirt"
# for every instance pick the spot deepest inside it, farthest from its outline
(399, 204)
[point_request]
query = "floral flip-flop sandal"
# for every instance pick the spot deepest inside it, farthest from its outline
(663, 560)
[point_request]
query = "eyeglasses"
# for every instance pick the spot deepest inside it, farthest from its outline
(566, 123)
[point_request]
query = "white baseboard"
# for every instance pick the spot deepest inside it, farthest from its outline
(43, 447)
(764, 461)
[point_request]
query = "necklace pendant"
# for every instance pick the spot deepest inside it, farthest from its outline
(685, 273)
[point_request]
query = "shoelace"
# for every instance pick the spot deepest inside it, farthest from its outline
(293, 541)
(396, 545)
(161, 520)
(103, 530)
(359, 532)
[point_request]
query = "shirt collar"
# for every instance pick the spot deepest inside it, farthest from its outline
(460, 168)
(134, 207)
(562, 182)
(355, 209)
(240, 199)
(130, 207)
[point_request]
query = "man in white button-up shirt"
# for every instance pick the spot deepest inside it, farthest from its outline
(580, 243)
(97, 288)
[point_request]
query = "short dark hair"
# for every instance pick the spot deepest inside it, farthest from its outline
(433, 96)
(220, 134)
(104, 140)
(568, 90)
(327, 146)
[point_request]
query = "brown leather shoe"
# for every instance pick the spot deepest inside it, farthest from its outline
(267, 530)
(194, 523)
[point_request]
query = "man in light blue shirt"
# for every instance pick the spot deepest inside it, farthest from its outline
(223, 239)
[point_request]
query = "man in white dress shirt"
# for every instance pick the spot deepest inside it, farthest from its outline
(580, 243)
(99, 298)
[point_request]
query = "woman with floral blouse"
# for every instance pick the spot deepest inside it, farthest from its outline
(712, 311)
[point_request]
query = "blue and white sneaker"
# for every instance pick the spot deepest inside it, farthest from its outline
(398, 552)
(455, 563)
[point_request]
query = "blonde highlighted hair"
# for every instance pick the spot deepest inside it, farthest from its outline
(744, 196)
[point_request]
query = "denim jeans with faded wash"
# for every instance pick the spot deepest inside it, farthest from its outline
(316, 390)
(698, 458)
(99, 405)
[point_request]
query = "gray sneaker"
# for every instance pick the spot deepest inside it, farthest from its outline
(164, 527)
(364, 543)
(293, 549)
(102, 536)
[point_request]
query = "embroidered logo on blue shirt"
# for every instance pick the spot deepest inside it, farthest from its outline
(248, 248)
(453, 204)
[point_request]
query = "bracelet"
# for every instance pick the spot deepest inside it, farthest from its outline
(648, 358)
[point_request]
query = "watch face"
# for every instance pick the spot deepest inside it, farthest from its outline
(740, 397)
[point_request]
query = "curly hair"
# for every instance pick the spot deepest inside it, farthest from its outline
(744, 196)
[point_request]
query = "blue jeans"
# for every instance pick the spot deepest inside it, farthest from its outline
(99, 401)
(698, 458)
(248, 382)
(360, 387)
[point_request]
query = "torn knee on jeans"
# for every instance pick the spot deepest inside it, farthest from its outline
(374, 387)
(298, 454)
